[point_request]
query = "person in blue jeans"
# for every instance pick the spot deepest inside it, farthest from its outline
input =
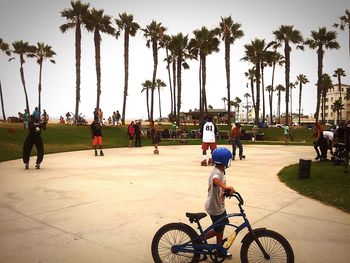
(234, 137)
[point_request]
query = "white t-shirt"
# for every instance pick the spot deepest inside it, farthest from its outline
(328, 135)
(208, 133)
(215, 203)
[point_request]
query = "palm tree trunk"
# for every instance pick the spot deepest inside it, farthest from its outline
(340, 98)
(174, 87)
(201, 114)
(155, 61)
(287, 72)
(257, 103)
(2, 104)
(227, 64)
(263, 91)
(126, 71)
(170, 82)
(279, 107)
(39, 86)
(24, 84)
(77, 69)
(272, 89)
(179, 86)
(204, 80)
(147, 99)
(97, 42)
(160, 108)
(300, 91)
(253, 93)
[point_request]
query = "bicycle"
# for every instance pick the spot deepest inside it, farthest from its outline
(179, 242)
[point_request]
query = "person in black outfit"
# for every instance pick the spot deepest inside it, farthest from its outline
(34, 138)
(137, 128)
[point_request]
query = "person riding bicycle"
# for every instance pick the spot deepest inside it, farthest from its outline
(215, 202)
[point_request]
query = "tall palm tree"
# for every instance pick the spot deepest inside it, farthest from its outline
(254, 54)
(338, 73)
(237, 102)
(301, 80)
(247, 95)
(98, 22)
(181, 52)
(204, 43)
(147, 85)
(230, 31)
(288, 35)
(126, 22)
(291, 87)
(42, 52)
(320, 40)
(326, 84)
(153, 34)
(160, 84)
(168, 60)
(4, 47)
(23, 49)
(279, 88)
(344, 22)
(269, 89)
(337, 107)
(251, 76)
(76, 19)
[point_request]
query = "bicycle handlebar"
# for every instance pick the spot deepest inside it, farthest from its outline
(237, 195)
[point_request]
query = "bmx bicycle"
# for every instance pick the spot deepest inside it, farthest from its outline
(178, 242)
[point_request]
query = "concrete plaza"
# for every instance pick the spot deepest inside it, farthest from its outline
(82, 208)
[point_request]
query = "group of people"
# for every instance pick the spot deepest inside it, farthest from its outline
(134, 133)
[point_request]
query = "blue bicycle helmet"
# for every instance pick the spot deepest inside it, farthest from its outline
(222, 156)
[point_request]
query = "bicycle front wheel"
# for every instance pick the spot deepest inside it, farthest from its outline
(168, 236)
(275, 245)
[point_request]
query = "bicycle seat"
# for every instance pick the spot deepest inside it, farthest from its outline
(195, 217)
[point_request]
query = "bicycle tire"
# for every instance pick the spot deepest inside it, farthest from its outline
(274, 243)
(169, 235)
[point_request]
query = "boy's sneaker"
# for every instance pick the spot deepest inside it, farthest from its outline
(101, 153)
(96, 153)
(204, 163)
(26, 166)
(210, 161)
(37, 166)
(242, 157)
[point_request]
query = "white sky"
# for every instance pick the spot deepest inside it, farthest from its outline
(39, 20)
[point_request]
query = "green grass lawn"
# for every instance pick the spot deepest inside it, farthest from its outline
(327, 183)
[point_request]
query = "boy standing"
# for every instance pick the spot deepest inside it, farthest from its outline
(96, 131)
(209, 132)
(215, 203)
(235, 136)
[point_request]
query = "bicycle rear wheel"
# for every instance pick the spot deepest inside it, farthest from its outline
(168, 236)
(276, 246)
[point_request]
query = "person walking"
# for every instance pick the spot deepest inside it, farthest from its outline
(286, 133)
(138, 133)
(131, 133)
(235, 141)
(96, 131)
(156, 138)
(209, 132)
(34, 138)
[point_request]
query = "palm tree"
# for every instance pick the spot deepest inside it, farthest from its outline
(76, 17)
(147, 85)
(4, 47)
(237, 101)
(181, 53)
(42, 52)
(23, 49)
(204, 43)
(224, 99)
(160, 84)
(254, 54)
(337, 107)
(279, 88)
(230, 32)
(169, 60)
(338, 73)
(288, 35)
(301, 80)
(153, 34)
(251, 76)
(98, 22)
(291, 87)
(326, 84)
(126, 23)
(344, 22)
(247, 95)
(321, 40)
(269, 89)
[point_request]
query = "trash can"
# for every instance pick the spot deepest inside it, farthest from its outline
(304, 168)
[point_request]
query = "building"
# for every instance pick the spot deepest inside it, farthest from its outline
(333, 94)
(219, 116)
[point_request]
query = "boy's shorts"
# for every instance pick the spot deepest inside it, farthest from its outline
(97, 140)
(220, 228)
(207, 145)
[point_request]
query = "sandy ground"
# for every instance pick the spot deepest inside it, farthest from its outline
(82, 208)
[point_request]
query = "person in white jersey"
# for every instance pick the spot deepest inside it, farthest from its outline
(209, 132)
(328, 135)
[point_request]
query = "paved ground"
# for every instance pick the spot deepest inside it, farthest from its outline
(81, 208)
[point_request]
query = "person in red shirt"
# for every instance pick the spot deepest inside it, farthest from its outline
(234, 137)
(131, 133)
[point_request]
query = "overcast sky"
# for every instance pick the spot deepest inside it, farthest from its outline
(39, 20)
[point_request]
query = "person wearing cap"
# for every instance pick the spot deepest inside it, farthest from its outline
(235, 134)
